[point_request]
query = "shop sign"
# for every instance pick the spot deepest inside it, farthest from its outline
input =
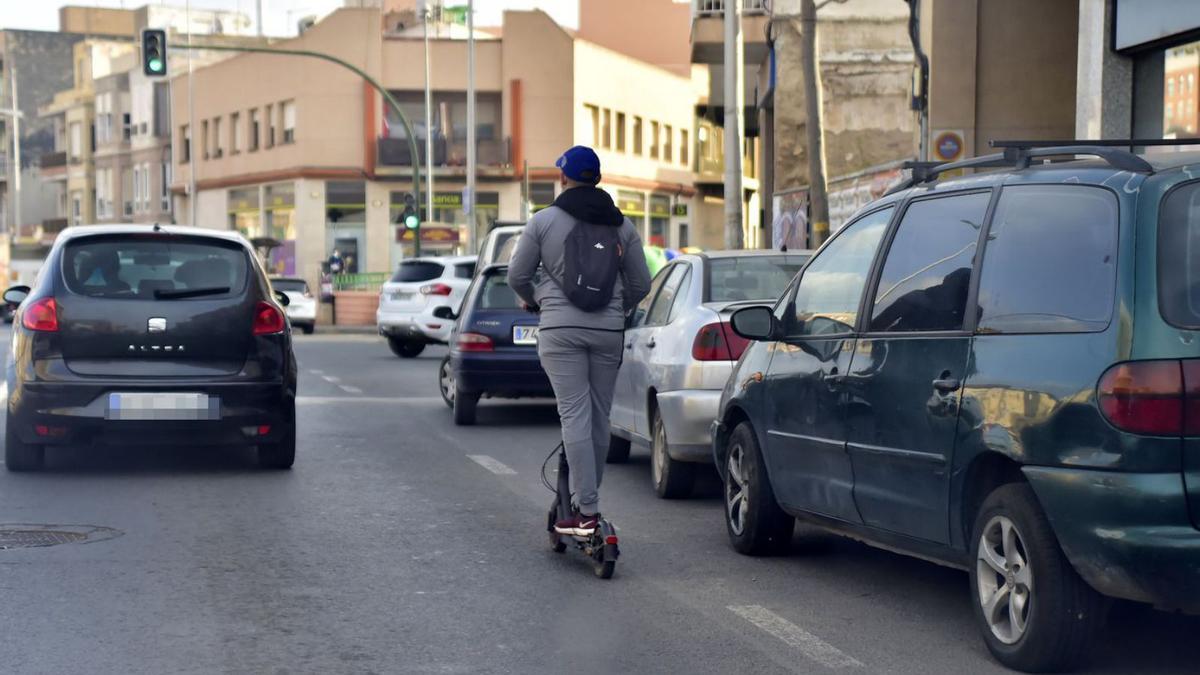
(679, 210)
(429, 235)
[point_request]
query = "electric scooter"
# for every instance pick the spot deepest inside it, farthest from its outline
(600, 545)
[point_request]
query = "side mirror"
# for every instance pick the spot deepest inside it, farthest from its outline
(445, 313)
(16, 295)
(755, 323)
(283, 298)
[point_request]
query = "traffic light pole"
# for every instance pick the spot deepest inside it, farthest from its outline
(412, 140)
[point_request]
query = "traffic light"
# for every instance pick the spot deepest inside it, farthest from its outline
(410, 217)
(154, 52)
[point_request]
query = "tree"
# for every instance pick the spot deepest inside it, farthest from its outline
(818, 196)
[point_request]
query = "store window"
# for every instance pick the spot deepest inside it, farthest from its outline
(244, 213)
(633, 205)
(346, 223)
(1181, 115)
(446, 233)
(660, 220)
(280, 210)
(541, 195)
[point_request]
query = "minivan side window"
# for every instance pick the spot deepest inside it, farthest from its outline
(1050, 262)
(1179, 257)
(925, 279)
(831, 286)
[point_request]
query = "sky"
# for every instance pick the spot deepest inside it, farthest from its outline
(279, 16)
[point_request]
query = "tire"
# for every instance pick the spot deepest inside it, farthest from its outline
(753, 519)
(672, 479)
(282, 453)
(406, 349)
(1062, 615)
(464, 406)
(604, 569)
(308, 328)
(446, 381)
(21, 456)
(618, 450)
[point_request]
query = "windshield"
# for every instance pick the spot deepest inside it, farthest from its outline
(418, 270)
(154, 268)
(751, 277)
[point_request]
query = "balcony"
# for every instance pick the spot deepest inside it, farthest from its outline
(449, 157)
(708, 30)
(52, 226)
(54, 166)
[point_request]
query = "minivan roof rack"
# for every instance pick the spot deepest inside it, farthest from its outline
(1019, 153)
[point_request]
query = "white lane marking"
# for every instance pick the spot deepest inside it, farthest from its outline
(494, 465)
(3, 391)
(810, 645)
(314, 371)
(397, 400)
(351, 390)
(331, 379)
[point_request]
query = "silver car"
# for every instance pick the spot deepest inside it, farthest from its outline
(680, 350)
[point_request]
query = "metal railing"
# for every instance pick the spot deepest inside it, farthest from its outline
(489, 152)
(717, 7)
(368, 281)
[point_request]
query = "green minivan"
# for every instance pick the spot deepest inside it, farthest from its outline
(998, 372)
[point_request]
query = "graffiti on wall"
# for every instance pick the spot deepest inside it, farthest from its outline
(847, 194)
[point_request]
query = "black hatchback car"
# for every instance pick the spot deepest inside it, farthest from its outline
(1000, 372)
(149, 334)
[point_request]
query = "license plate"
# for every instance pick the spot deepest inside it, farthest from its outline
(525, 335)
(163, 406)
(400, 296)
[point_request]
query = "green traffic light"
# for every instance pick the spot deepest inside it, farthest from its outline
(411, 222)
(156, 65)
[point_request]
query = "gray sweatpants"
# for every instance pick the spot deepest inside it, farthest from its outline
(582, 365)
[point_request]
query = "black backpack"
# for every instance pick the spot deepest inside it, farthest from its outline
(591, 263)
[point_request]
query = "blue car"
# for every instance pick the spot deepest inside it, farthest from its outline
(493, 351)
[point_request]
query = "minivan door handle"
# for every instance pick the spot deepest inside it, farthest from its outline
(947, 384)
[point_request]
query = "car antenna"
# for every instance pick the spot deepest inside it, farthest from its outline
(157, 227)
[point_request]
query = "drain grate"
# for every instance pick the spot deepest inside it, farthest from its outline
(34, 536)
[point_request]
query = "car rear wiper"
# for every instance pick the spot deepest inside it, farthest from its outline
(164, 294)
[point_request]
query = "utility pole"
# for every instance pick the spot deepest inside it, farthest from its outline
(428, 123)
(192, 133)
(258, 16)
(733, 125)
(16, 168)
(814, 126)
(469, 205)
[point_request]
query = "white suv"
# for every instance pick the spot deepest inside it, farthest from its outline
(420, 287)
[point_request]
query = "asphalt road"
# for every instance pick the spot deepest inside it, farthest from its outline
(389, 549)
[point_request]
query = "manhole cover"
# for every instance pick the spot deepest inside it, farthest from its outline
(32, 536)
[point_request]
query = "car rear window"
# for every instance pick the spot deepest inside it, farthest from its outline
(750, 277)
(464, 270)
(1179, 257)
(495, 294)
(418, 270)
(290, 285)
(154, 267)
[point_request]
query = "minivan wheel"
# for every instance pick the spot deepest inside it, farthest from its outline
(1035, 612)
(18, 455)
(464, 406)
(618, 450)
(446, 382)
(756, 524)
(672, 479)
(406, 349)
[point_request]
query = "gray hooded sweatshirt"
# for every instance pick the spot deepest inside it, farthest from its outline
(542, 244)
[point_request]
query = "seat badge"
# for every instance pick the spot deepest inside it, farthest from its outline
(157, 325)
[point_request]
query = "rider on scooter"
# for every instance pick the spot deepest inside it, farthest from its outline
(581, 326)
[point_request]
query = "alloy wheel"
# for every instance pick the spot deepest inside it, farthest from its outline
(1005, 580)
(737, 503)
(658, 453)
(446, 381)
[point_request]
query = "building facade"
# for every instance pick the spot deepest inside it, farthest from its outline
(306, 153)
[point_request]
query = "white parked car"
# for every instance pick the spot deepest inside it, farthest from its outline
(413, 304)
(302, 306)
(680, 350)
(499, 244)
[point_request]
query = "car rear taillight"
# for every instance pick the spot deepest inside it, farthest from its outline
(41, 315)
(474, 342)
(718, 342)
(436, 289)
(1145, 397)
(268, 319)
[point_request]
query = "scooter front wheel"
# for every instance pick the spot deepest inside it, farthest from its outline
(604, 568)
